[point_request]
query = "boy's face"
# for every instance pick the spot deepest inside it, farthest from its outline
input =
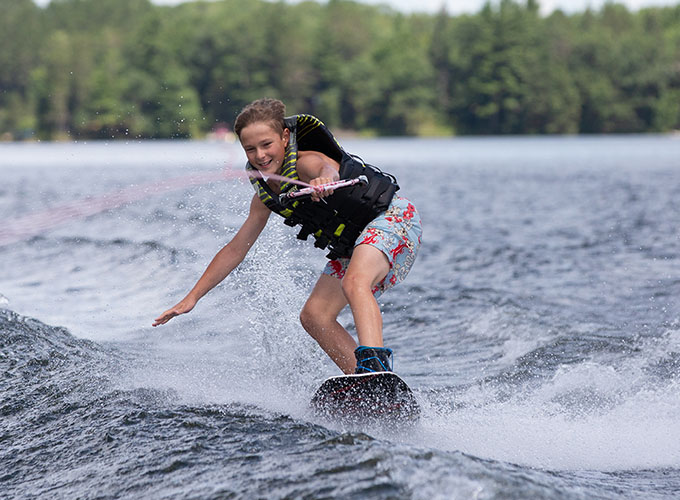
(264, 147)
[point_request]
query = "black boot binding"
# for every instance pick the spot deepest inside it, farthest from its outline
(373, 359)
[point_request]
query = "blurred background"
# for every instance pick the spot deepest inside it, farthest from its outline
(98, 69)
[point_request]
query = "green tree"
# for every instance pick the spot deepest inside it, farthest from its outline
(158, 87)
(53, 83)
(407, 82)
(550, 102)
(21, 36)
(93, 68)
(346, 33)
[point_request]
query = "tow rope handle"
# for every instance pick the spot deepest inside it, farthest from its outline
(286, 198)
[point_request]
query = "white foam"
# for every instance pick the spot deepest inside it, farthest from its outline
(588, 416)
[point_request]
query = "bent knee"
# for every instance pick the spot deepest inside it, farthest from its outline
(308, 318)
(314, 316)
(353, 285)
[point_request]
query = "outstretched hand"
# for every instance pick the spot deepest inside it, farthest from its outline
(182, 307)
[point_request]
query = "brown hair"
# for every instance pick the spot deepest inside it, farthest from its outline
(262, 110)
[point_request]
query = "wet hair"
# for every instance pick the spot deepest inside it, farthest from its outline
(268, 110)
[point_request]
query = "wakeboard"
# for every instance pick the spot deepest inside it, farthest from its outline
(366, 397)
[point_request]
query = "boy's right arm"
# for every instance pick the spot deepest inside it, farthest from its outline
(224, 262)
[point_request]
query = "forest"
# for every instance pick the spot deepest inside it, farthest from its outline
(130, 69)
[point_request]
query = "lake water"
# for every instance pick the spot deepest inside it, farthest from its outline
(539, 328)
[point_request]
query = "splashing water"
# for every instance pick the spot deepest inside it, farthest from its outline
(539, 329)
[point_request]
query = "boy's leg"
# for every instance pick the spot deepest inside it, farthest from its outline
(319, 318)
(367, 267)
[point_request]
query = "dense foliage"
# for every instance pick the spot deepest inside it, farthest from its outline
(128, 68)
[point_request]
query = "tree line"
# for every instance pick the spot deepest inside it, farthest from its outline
(131, 69)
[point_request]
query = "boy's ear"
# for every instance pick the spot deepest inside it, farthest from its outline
(286, 136)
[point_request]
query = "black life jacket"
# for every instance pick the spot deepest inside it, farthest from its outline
(337, 220)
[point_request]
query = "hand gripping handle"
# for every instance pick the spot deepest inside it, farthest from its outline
(286, 198)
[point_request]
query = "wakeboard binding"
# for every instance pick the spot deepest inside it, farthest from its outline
(373, 359)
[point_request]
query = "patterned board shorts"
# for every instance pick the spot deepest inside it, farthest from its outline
(396, 233)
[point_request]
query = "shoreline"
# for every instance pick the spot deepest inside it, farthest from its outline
(344, 135)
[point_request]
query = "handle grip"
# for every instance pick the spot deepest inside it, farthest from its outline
(286, 198)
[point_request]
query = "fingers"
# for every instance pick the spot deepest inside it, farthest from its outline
(320, 193)
(165, 317)
(183, 307)
(317, 195)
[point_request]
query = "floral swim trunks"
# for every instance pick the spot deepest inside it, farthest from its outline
(396, 233)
